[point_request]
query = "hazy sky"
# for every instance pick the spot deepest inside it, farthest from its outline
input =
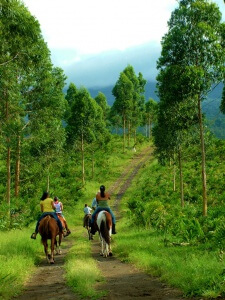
(94, 40)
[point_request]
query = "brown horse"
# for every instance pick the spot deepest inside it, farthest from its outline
(49, 229)
(104, 223)
(87, 220)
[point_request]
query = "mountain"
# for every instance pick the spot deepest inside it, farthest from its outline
(107, 91)
(211, 106)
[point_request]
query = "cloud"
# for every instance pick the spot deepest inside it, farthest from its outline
(103, 69)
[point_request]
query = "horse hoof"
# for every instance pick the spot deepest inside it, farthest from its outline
(110, 254)
(101, 254)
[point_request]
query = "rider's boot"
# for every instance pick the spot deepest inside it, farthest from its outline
(113, 229)
(33, 236)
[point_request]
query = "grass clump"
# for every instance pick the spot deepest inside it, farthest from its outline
(82, 271)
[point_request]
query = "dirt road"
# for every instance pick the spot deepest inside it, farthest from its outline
(123, 281)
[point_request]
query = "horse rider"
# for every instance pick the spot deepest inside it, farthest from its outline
(87, 212)
(102, 198)
(58, 209)
(47, 208)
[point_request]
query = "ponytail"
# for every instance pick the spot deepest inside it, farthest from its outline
(102, 191)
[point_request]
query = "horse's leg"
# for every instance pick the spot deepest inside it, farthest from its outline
(45, 243)
(52, 250)
(59, 243)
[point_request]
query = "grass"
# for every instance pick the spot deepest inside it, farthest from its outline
(194, 271)
(18, 256)
(82, 271)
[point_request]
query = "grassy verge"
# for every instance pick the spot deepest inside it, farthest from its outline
(191, 269)
(18, 256)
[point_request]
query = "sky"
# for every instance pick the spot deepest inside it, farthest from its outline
(94, 40)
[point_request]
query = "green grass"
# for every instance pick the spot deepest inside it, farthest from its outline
(82, 271)
(194, 271)
(18, 256)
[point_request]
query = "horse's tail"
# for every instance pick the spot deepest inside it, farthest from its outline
(44, 227)
(105, 227)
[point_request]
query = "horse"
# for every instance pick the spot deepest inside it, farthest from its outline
(104, 224)
(49, 229)
(87, 220)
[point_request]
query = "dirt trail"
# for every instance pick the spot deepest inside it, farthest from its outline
(123, 281)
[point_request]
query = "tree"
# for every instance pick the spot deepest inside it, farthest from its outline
(123, 91)
(150, 115)
(80, 124)
(20, 41)
(195, 43)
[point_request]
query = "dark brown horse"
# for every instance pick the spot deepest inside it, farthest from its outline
(104, 223)
(87, 220)
(49, 230)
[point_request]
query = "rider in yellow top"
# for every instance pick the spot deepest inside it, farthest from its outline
(47, 208)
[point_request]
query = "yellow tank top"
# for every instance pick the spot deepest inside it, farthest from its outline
(47, 205)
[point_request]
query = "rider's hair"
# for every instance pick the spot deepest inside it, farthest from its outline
(45, 195)
(102, 191)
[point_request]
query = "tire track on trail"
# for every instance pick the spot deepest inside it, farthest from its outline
(124, 281)
(48, 281)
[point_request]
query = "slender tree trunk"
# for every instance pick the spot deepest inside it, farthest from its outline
(181, 179)
(93, 165)
(174, 174)
(204, 189)
(149, 128)
(146, 130)
(17, 172)
(8, 161)
(48, 182)
(124, 133)
(128, 144)
(82, 153)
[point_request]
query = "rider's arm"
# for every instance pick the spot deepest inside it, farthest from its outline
(61, 206)
(42, 208)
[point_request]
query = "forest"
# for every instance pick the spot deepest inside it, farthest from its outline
(57, 138)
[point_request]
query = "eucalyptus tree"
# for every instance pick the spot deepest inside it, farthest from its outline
(46, 131)
(102, 102)
(138, 99)
(195, 40)
(80, 124)
(150, 115)
(123, 93)
(20, 36)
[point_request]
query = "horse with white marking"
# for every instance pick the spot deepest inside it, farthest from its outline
(104, 223)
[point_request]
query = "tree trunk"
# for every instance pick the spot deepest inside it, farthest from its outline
(146, 130)
(174, 174)
(128, 142)
(204, 189)
(17, 172)
(181, 179)
(93, 165)
(149, 128)
(8, 162)
(82, 154)
(124, 133)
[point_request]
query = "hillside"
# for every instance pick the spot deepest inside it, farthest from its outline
(216, 120)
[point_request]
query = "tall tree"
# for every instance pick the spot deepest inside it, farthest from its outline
(195, 42)
(123, 92)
